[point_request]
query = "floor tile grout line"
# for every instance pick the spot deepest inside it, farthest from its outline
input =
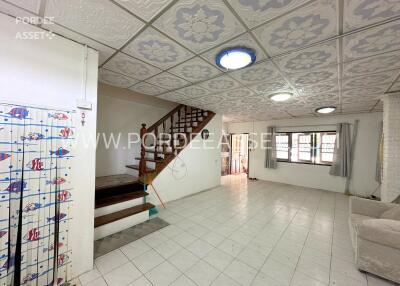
(333, 234)
(239, 226)
(308, 233)
(280, 237)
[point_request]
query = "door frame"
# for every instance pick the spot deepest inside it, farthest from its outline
(248, 151)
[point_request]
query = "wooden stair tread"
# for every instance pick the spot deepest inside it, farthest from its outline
(109, 218)
(192, 117)
(136, 167)
(159, 160)
(120, 198)
(106, 182)
(159, 152)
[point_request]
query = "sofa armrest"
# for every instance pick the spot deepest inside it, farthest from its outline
(369, 208)
(381, 231)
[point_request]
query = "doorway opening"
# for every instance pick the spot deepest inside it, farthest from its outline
(239, 154)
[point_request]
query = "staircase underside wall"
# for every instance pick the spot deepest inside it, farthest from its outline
(197, 167)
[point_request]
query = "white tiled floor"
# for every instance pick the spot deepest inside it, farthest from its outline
(242, 233)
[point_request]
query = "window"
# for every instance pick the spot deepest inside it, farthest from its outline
(306, 147)
(282, 146)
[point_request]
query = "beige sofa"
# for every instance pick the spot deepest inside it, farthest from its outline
(375, 235)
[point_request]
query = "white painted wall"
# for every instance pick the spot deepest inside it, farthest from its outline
(121, 112)
(48, 72)
(391, 148)
(197, 168)
(363, 181)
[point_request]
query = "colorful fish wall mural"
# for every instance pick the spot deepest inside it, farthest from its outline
(35, 195)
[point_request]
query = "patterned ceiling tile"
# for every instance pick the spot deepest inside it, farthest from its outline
(148, 89)
(300, 113)
(104, 51)
(374, 64)
(361, 13)
(396, 86)
(168, 81)
(98, 19)
(129, 66)
(238, 93)
(220, 84)
(15, 11)
(309, 59)
(249, 102)
(199, 24)
(173, 96)
(322, 97)
(358, 107)
(360, 92)
(245, 40)
(365, 98)
(208, 100)
(193, 91)
(30, 5)
(145, 9)
(305, 26)
(195, 70)
(255, 12)
(278, 85)
(379, 106)
(326, 87)
(115, 79)
(315, 77)
(154, 48)
(258, 73)
(382, 39)
(369, 80)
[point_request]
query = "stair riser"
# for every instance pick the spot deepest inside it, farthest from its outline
(120, 225)
(118, 207)
(132, 172)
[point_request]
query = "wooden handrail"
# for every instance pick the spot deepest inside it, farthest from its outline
(142, 163)
(173, 117)
(159, 122)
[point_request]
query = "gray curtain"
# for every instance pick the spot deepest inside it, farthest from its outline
(342, 153)
(378, 174)
(270, 158)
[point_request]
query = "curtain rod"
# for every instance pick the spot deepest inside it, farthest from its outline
(311, 125)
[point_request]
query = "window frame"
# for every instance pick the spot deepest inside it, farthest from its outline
(313, 148)
(289, 146)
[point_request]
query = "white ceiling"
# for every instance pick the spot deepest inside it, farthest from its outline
(344, 53)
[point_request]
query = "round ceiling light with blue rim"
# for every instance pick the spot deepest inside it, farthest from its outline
(235, 58)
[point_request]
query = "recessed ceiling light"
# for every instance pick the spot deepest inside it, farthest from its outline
(282, 96)
(235, 58)
(326, 110)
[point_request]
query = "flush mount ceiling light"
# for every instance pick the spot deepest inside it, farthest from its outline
(235, 58)
(326, 110)
(282, 96)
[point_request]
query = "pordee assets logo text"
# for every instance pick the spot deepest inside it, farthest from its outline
(34, 35)
(129, 141)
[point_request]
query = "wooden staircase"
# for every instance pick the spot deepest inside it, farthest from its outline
(121, 199)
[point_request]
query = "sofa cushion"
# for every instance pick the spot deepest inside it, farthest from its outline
(392, 213)
(381, 231)
(357, 219)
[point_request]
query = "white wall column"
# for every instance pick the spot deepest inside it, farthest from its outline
(391, 150)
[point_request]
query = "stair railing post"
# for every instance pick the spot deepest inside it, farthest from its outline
(172, 132)
(142, 163)
(185, 122)
(179, 123)
(156, 140)
(164, 147)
